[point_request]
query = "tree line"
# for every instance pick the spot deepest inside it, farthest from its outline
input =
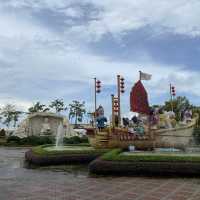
(10, 115)
(76, 110)
(180, 104)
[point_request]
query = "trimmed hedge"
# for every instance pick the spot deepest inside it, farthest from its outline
(115, 163)
(42, 140)
(76, 140)
(30, 140)
(40, 157)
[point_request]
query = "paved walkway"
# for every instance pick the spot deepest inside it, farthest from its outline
(18, 183)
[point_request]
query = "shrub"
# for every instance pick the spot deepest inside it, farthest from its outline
(41, 140)
(30, 140)
(2, 133)
(84, 139)
(13, 139)
(75, 140)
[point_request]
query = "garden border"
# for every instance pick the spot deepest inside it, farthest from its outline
(62, 158)
(108, 164)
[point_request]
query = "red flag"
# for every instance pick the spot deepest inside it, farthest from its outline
(139, 99)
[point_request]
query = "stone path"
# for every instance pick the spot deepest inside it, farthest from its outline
(18, 183)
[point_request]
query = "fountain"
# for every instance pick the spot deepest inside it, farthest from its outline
(59, 146)
(59, 136)
(59, 140)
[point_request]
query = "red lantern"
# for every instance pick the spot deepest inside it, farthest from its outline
(98, 82)
(98, 86)
(122, 85)
(116, 101)
(173, 91)
(116, 105)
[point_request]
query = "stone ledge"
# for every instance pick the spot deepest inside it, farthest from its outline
(135, 168)
(65, 159)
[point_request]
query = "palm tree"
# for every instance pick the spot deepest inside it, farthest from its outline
(38, 107)
(77, 110)
(16, 115)
(58, 105)
(9, 113)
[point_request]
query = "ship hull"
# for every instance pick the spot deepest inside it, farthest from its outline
(180, 137)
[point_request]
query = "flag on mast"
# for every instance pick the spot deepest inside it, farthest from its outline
(145, 76)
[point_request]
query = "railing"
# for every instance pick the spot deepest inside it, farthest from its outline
(124, 135)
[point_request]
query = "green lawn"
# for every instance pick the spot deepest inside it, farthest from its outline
(119, 155)
(70, 149)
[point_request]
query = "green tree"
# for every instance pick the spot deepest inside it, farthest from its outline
(16, 115)
(179, 104)
(10, 114)
(58, 105)
(38, 107)
(77, 111)
(7, 114)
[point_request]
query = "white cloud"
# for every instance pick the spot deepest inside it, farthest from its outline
(118, 17)
(38, 56)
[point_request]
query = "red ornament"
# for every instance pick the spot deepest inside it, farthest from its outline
(116, 110)
(98, 86)
(116, 101)
(173, 91)
(98, 82)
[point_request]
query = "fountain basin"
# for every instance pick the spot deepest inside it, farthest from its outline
(65, 155)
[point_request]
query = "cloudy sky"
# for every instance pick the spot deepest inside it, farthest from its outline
(54, 48)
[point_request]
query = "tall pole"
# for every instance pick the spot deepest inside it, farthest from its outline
(171, 98)
(95, 100)
(140, 75)
(113, 114)
(119, 103)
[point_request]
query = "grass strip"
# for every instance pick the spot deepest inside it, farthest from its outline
(116, 155)
(40, 150)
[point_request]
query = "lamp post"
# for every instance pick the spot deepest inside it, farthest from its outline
(97, 89)
(120, 90)
(172, 94)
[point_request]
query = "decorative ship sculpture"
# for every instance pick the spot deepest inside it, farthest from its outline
(148, 135)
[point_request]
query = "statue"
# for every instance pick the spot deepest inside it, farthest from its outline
(46, 130)
(187, 116)
(100, 111)
(101, 119)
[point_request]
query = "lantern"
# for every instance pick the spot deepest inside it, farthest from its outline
(98, 86)
(122, 85)
(173, 91)
(116, 105)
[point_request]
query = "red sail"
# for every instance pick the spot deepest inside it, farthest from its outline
(139, 99)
